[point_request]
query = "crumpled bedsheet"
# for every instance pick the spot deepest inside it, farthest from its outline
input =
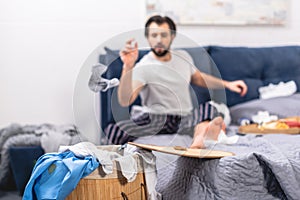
(264, 167)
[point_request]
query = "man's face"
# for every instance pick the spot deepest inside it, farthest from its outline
(160, 38)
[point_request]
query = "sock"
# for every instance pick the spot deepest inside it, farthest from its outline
(222, 139)
(97, 82)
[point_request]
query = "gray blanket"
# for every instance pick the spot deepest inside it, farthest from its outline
(264, 167)
(31, 135)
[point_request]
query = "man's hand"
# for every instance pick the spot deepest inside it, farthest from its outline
(129, 54)
(238, 86)
(128, 89)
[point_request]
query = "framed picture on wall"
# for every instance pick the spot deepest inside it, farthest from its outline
(221, 12)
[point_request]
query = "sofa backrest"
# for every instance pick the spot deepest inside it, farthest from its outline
(256, 66)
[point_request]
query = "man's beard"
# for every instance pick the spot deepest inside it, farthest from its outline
(161, 53)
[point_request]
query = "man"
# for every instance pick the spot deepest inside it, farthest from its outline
(162, 79)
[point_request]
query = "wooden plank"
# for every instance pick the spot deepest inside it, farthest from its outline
(187, 152)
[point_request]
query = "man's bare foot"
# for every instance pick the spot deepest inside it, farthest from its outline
(199, 135)
(214, 128)
(206, 130)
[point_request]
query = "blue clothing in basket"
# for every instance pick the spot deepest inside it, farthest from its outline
(56, 175)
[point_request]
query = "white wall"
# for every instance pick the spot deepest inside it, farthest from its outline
(44, 45)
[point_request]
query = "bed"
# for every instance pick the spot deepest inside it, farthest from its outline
(264, 166)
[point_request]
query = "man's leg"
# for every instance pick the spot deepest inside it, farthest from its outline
(145, 125)
(207, 131)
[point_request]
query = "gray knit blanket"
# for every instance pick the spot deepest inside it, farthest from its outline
(264, 167)
(48, 136)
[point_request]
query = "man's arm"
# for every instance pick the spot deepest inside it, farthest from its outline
(128, 89)
(204, 80)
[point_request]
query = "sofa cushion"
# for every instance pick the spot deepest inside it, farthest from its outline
(283, 64)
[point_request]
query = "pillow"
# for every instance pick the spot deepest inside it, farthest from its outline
(281, 106)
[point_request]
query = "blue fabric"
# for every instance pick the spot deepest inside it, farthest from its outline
(56, 175)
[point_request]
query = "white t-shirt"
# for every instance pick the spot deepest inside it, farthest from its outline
(166, 84)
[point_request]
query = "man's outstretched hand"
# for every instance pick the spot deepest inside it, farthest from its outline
(238, 86)
(129, 54)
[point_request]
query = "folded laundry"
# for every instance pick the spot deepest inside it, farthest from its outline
(281, 89)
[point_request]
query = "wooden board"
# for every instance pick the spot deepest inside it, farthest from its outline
(187, 152)
(256, 129)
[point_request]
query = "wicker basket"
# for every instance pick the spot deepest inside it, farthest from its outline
(99, 185)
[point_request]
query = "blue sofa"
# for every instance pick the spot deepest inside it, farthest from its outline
(257, 66)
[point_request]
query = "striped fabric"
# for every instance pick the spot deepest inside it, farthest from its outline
(152, 124)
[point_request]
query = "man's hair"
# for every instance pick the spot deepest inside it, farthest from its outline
(160, 20)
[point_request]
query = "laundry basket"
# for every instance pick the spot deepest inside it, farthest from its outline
(99, 185)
